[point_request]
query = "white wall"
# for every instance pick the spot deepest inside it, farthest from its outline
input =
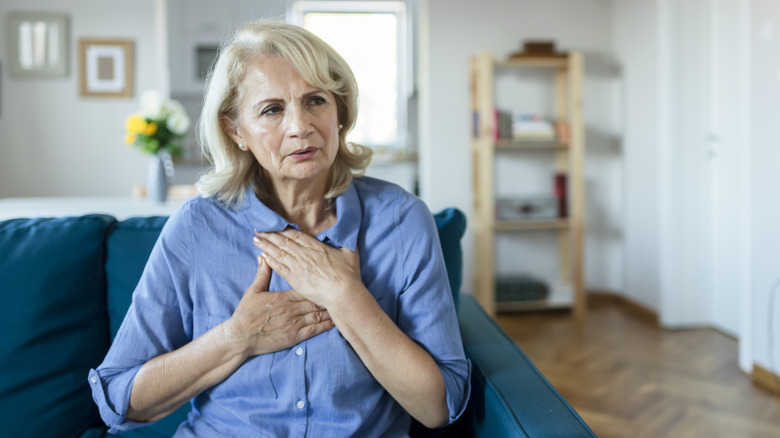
(636, 46)
(453, 31)
(53, 142)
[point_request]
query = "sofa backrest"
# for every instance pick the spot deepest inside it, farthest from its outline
(53, 323)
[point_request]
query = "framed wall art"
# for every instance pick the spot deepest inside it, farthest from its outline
(37, 44)
(106, 67)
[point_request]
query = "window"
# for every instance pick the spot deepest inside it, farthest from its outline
(372, 38)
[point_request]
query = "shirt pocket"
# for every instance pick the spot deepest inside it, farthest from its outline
(252, 380)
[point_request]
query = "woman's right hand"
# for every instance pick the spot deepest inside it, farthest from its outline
(263, 322)
(266, 322)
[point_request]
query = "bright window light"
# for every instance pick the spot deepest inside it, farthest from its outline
(371, 38)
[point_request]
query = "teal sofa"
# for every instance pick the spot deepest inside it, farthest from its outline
(66, 283)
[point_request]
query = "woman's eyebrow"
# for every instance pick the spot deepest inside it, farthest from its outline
(281, 100)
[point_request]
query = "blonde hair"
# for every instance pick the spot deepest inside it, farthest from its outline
(233, 170)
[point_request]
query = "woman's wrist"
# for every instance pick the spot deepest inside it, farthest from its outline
(346, 298)
(234, 337)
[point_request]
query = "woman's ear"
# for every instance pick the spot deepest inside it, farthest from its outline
(231, 129)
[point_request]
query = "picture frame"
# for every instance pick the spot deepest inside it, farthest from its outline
(106, 67)
(37, 44)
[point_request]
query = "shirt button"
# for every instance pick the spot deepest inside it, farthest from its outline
(93, 379)
(300, 404)
(298, 351)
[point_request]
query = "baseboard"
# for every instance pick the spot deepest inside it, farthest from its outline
(637, 310)
(766, 379)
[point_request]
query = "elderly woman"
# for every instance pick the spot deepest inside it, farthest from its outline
(289, 299)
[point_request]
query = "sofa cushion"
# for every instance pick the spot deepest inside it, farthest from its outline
(129, 246)
(451, 224)
(54, 324)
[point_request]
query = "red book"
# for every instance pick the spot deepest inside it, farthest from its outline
(496, 122)
(561, 192)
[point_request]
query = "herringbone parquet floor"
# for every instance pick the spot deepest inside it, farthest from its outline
(627, 377)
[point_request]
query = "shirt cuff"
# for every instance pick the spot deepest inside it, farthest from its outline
(113, 411)
(458, 391)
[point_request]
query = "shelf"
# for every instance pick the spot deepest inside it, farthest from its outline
(523, 154)
(518, 145)
(542, 61)
(518, 306)
(551, 224)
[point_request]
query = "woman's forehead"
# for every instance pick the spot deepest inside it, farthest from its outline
(276, 76)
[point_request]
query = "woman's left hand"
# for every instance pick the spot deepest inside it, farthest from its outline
(314, 269)
(330, 278)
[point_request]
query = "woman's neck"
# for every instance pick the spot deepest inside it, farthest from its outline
(306, 207)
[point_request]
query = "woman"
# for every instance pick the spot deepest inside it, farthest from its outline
(360, 332)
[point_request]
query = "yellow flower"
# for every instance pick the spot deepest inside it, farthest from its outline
(130, 139)
(135, 124)
(150, 129)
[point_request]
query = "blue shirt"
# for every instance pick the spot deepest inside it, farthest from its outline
(200, 267)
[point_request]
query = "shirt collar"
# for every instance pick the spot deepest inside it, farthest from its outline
(343, 234)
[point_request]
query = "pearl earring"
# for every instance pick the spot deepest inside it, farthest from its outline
(341, 126)
(242, 146)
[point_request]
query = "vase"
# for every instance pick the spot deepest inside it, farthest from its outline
(158, 176)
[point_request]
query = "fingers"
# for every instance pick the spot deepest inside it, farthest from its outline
(312, 330)
(262, 277)
(274, 255)
(289, 240)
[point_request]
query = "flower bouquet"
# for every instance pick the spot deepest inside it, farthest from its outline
(159, 126)
(158, 130)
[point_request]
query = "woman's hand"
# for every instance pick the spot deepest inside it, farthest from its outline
(265, 322)
(316, 270)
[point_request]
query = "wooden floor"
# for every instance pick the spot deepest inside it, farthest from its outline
(627, 377)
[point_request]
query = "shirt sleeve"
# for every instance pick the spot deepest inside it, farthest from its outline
(158, 321)
(426, 309)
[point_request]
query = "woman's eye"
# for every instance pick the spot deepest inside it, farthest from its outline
(271, 110)
(318, 100)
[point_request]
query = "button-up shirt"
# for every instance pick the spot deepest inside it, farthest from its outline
(200, 267)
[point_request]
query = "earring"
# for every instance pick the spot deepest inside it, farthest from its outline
(341, 126)
(242, 146)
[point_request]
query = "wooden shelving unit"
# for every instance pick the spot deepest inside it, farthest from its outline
(567, 156)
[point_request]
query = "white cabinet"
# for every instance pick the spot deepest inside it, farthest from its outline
(197, 27)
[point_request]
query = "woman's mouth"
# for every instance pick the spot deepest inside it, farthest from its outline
(304, 154)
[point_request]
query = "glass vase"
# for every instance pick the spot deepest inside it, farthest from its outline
(159, 175)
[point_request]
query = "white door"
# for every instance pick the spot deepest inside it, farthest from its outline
(705, 263)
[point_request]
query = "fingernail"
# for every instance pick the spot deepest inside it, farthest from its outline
(256, 240)
(260, 260)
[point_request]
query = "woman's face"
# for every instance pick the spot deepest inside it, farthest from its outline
(289, 126)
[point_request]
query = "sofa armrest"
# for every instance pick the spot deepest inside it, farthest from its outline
(509, 396)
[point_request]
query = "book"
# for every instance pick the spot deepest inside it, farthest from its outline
(561, 194)
(531, 126)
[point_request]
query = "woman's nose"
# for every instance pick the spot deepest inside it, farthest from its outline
(297, 123)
